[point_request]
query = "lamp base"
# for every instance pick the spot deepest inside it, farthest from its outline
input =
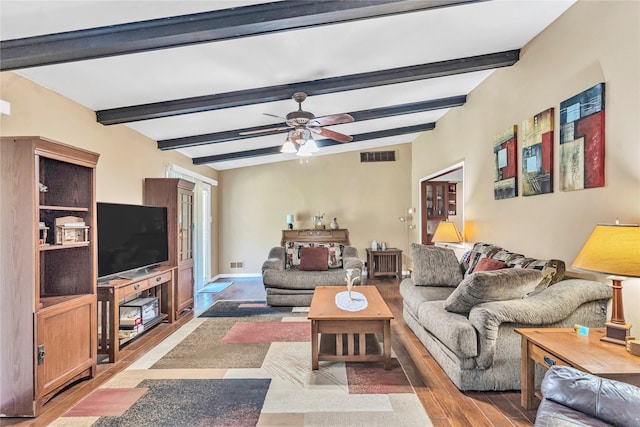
(290, 226)
(615, 333)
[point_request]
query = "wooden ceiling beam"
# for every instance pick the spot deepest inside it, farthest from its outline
(315, 87)
(320, 143)
(359, 116)
(205, 27)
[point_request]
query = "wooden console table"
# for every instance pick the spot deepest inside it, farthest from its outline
(562, 346)
(157, 283)
(340, 235)
(386, 262)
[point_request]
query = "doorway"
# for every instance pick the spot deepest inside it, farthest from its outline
(441, 199)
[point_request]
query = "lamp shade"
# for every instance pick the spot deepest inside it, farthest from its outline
(612, 249)
(288, 147)
(447, 232)
(289, 219)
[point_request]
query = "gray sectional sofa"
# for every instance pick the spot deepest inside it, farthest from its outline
(466, 318)
(287, 285)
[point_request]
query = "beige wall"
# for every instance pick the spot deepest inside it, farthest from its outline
(592, 42)
(366, 198)
(126, 157)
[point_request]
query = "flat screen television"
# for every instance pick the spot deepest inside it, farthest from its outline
(130, 239)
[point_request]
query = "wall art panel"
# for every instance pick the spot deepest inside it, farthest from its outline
(537, 154)
(505, 151)
(582, 140)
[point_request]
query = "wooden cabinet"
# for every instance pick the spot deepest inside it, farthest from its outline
(452, 199)
(177, 195)
(48, 323)
(435, 199)
(158, 284)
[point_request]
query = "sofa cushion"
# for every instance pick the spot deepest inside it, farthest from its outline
(435, 266)
(453, 330)
(413, 296)
(489, 264)
(292, 253)
(314, 259)
(485, 286)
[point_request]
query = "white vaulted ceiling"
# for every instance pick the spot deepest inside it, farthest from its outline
(438, 55)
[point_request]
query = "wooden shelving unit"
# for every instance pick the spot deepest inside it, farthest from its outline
(49, 317)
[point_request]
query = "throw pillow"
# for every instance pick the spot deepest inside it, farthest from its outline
(553, 269)
(435, 266)
(292, 253)
(487, 250)
(314, 259)
(489, 264)
(485, 286)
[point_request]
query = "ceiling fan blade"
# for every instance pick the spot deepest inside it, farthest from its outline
(336, 136)
(334, 119)
(273, 115)
(252, 132)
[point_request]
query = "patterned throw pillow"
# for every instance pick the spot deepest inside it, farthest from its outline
(553, 269)
(486, 250)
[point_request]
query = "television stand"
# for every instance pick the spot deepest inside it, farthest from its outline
(132, 275)
(157, 282)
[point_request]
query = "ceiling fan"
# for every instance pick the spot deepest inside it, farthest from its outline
(302, 123)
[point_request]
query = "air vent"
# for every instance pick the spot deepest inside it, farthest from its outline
(237, 264)
(378, 156)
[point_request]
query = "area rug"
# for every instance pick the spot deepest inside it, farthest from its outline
(215, 287)
(225, 308)
(249, 371)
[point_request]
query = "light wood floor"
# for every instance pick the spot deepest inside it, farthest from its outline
(445, 404)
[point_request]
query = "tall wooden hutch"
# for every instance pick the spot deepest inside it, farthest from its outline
(47, 272)
(177, 195)
(439, 202)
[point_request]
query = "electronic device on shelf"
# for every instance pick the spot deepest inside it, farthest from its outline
(131, 239)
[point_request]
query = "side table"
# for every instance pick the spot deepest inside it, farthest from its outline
(562, 346)
(386, 262)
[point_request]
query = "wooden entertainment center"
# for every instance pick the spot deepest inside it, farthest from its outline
(158, 283)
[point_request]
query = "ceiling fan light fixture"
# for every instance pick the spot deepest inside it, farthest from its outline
(299, 135)
(304, 151)
(288, 147)
(313, 147)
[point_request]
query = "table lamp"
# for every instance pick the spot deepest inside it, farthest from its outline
(290, 222)
(613, 249)
(447, 232)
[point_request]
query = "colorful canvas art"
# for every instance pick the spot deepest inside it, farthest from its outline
(537, 154)
(582, 140)
(505, 148)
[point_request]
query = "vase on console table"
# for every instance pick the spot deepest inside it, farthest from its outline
(334, 224)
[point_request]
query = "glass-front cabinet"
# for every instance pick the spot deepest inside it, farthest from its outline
(186, 225)
(177, 195)
(435, 205)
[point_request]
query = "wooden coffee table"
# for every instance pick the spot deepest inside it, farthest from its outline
(327, 319)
